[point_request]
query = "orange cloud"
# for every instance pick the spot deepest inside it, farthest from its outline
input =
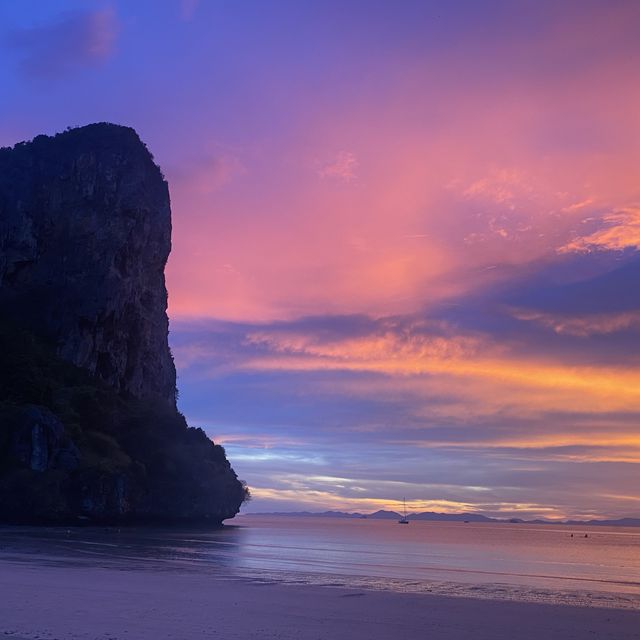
(388, 346)
(456, 357)
(621, 231)
(629, 441)
(434, 375)
(317, 499)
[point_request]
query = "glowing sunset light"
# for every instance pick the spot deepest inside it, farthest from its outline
(406, 239)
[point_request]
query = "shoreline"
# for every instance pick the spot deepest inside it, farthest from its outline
(85, 602)
(496, 592)
(207, 554)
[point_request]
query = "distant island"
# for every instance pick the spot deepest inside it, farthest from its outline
(432, 516)
(89, 429)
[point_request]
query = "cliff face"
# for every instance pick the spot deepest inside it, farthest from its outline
(85, 232)
(88, 423)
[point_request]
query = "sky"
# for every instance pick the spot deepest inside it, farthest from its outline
(406, 235)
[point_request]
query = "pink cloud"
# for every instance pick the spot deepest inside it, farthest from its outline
(343, 167)
(444, 196)
(501, 186)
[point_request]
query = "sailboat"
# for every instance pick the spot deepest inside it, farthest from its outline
(404, 520)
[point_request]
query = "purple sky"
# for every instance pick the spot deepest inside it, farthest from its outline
(406, 234)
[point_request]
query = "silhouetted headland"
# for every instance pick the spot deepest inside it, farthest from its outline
(433, 516)
(89, 428)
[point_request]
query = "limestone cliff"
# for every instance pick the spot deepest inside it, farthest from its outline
(88, 423)
(85, 232)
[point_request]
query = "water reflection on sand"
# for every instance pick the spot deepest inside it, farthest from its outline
(126, 547)
(522, 562)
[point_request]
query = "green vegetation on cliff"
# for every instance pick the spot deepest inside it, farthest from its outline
(70, 447)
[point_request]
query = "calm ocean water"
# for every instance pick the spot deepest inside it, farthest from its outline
(483, 560)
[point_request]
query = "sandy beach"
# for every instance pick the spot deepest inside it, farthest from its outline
(82, 603)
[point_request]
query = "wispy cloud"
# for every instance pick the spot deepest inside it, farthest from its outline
(503, 186)
(343, 167)
(304, 494)
(576, 206)
(476, 373)
(392, 343)
(620, 230)
(584, 325)
(73, 41)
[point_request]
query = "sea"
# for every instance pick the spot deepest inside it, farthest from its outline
(577, 565)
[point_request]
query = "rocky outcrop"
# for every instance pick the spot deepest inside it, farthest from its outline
(85, 232)
(89, 428)
(39, 441)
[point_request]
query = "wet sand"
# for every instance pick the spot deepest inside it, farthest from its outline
(48, 602)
